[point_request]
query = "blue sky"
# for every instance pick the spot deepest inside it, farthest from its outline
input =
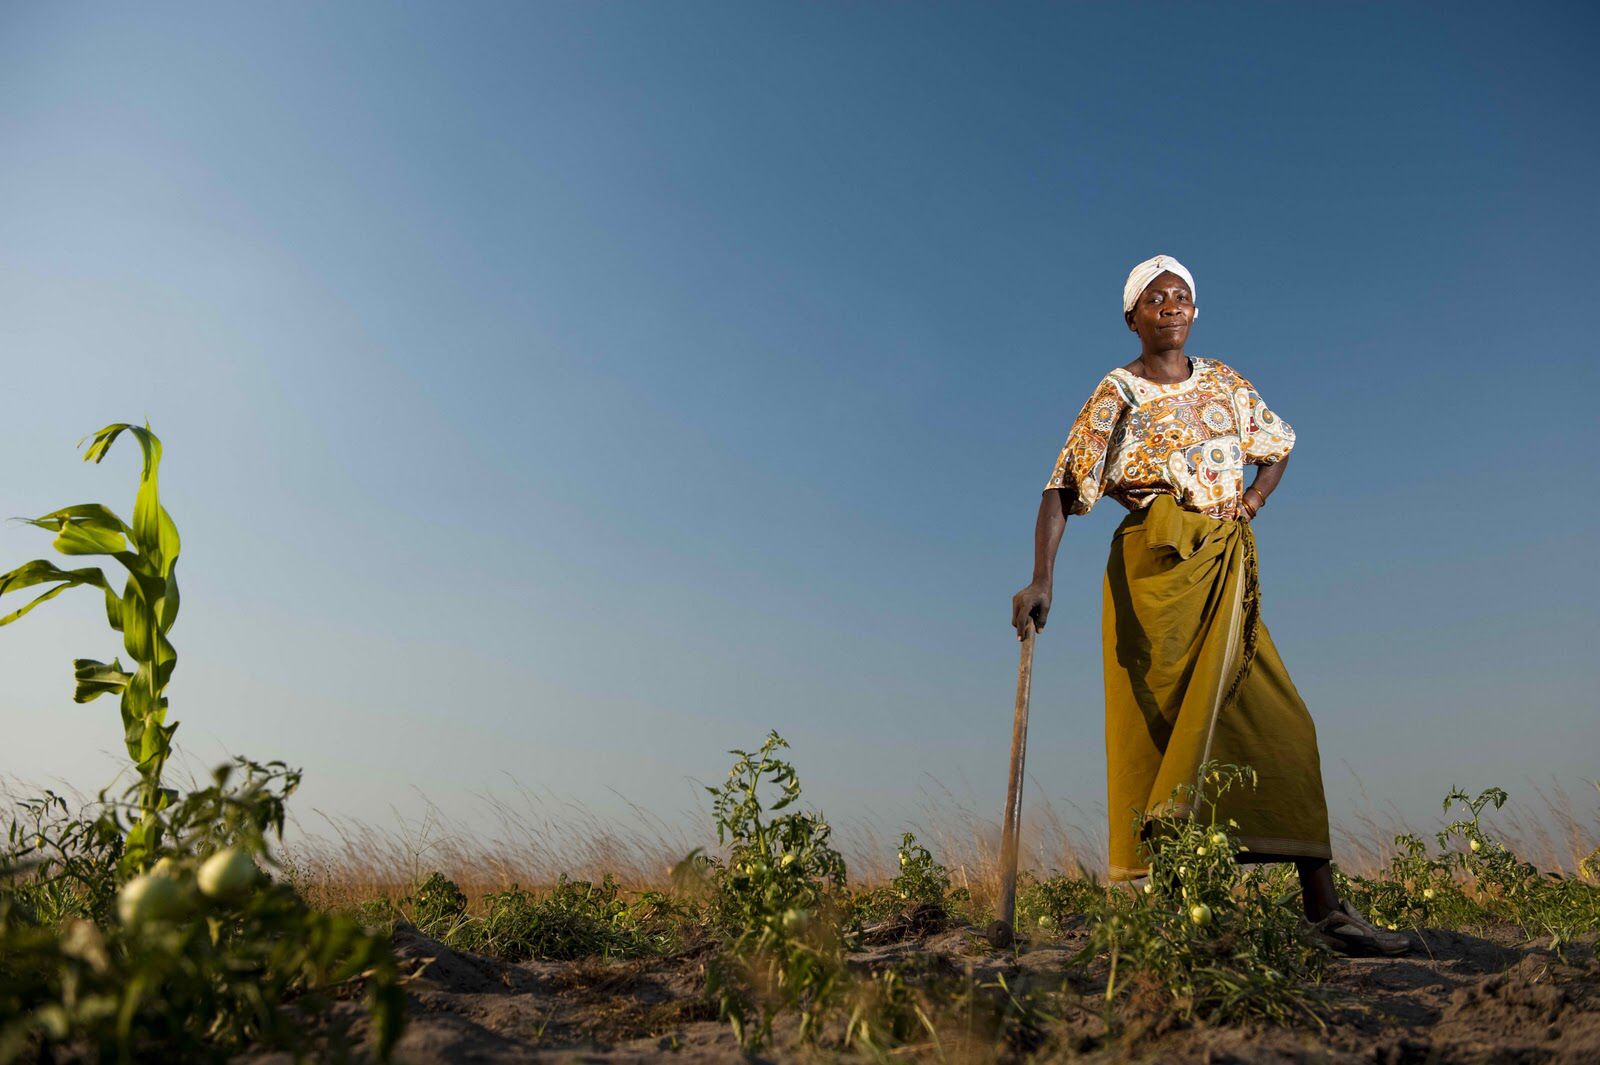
(570, 392)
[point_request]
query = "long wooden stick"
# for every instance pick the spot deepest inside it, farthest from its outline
(1002, 930)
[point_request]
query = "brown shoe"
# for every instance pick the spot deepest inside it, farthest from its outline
(1347, 932)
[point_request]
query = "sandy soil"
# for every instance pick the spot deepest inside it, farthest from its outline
(1462, 999)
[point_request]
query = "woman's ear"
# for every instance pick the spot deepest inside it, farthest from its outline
(1127, 316)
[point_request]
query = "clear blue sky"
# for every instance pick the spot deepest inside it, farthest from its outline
(574, 391)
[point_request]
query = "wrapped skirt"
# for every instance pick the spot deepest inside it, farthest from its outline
(1192, 676)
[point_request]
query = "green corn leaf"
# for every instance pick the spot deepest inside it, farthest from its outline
(96, 678)
(113, 609)
(153, 530)
(40, 571)
(138, 623)
(167, 615)
(148, 609)
(85, 529)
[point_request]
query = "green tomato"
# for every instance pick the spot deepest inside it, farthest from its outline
(148, 898)
(1200, 913)
(1218, 838)
(227, 874)
(1476, 846)
(796, 920)
(167, 867)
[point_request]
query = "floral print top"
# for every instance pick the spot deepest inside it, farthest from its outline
(1135, 439)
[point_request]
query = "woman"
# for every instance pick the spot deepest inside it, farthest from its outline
(1191, 673)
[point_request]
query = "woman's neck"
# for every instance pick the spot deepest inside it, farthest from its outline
(1164, 366)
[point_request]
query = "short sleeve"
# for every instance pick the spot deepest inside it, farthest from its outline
(1265, 437)
(1081, 466)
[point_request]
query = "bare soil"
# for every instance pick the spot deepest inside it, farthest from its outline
(1461, 998)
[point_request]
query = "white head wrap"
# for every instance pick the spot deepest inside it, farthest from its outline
(1148, 271)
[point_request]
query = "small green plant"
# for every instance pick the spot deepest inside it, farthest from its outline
(888, 1011)
(1416, 890)
(575, 919)
(775, 901)
(1209, 941)
(921, 879)
(1059, 901)
(1506, 886)
(144, 613)
(1589, 865)
(919, 890)
(437, 907)
(1473, 880)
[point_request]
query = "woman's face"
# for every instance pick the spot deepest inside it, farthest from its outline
(1164, 312)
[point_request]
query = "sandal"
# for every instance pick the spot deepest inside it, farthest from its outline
(1345, 931)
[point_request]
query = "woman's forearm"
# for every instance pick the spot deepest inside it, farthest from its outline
(1267, 477)
(1054, 507)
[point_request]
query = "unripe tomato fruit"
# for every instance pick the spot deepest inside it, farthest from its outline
(227, 873)
(148, 898)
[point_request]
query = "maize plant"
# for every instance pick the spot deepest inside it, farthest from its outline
(144, 614)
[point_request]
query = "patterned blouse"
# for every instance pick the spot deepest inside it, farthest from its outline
(1136, 439)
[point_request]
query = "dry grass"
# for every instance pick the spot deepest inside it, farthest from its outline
(1555, 832)
(529, 842)
(532, 840)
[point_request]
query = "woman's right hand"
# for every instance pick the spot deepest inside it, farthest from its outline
(1032, 602)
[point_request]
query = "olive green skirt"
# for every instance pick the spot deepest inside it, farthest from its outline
(1192, 676)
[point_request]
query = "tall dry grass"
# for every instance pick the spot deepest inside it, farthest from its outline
(531, 840)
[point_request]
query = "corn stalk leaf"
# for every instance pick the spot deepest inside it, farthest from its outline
(86, 529)
(41, 571)
(96, 678)
(154, 533)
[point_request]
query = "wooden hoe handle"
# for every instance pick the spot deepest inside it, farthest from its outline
(1001, 931)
